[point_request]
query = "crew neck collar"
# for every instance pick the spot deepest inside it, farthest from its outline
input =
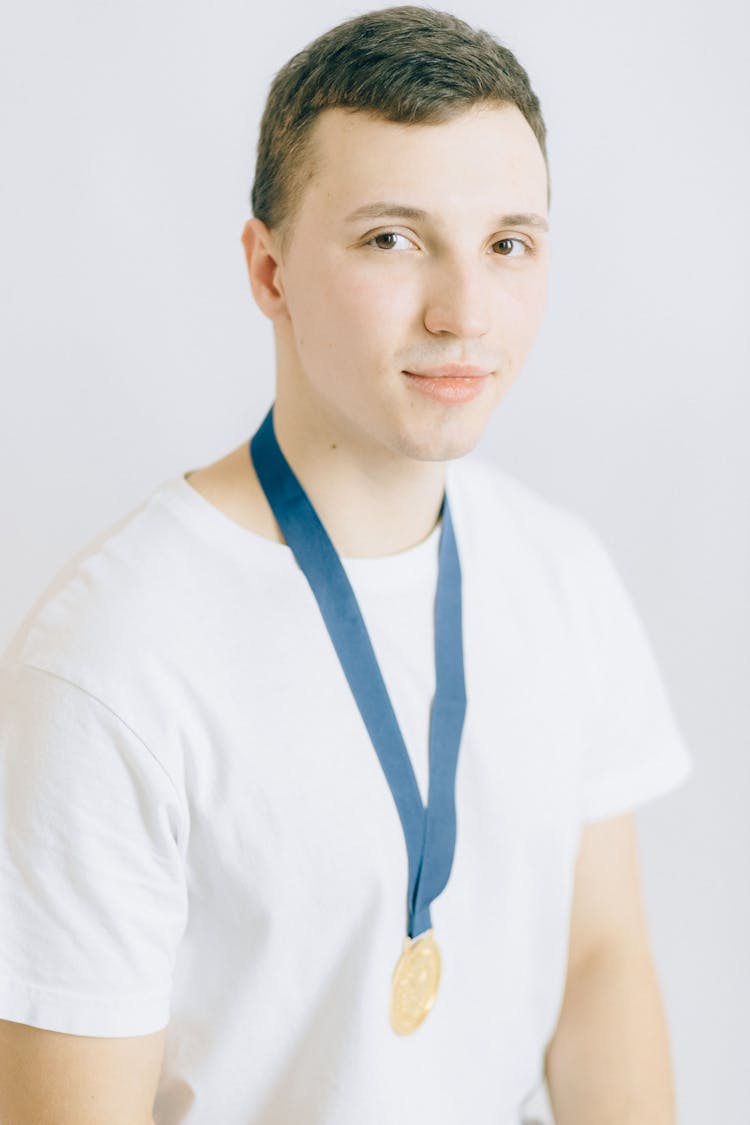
(413, 564)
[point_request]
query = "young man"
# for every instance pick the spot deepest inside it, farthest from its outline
(227, 902)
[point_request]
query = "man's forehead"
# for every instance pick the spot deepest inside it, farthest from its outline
(362, 162)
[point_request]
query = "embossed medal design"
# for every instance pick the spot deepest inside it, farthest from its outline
(415, 983)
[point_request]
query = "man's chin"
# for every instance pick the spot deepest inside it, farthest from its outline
(450, 435)
(440, 447)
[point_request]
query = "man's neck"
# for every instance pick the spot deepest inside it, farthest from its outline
(367, 512)
(370, 505)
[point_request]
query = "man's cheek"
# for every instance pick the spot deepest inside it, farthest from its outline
(376, 300)
(523, 313)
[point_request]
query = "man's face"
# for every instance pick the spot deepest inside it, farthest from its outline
(410, 253)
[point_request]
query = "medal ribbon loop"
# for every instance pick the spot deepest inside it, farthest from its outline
(430, 833)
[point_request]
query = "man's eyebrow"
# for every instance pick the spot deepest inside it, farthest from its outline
(383, 210)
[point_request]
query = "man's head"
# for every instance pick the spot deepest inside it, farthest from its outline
(400, 208)
(408, 65)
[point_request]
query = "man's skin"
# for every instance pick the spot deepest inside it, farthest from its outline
(450, 273)
(350, 316)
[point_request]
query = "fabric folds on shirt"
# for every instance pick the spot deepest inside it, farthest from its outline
(197, 831)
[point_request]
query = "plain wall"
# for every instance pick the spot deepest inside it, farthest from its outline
(131, 351)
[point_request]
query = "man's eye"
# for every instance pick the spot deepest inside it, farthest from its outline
(387, 240)
(508, 242)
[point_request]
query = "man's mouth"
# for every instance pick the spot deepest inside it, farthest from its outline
(451, 383)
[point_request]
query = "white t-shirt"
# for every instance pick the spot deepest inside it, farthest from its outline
(198, 831)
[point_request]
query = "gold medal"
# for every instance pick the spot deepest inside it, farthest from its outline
(415, 983)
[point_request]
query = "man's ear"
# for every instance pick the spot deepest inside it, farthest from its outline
(263, 268)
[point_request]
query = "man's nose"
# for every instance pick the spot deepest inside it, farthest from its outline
(459, 300)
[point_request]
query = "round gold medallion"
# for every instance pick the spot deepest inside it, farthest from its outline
(415, 983)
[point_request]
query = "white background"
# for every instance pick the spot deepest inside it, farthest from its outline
(132, 351)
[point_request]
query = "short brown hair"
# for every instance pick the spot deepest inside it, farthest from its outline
(406, 64)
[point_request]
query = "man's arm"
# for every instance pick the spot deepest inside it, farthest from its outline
(48, 1078)
(608, 1062)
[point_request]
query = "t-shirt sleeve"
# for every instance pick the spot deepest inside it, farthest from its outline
(634, 750)
(93, 899)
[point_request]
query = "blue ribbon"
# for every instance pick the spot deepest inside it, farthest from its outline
(430, 832)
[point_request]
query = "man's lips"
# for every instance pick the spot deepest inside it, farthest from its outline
(450, 383)
(452, 371)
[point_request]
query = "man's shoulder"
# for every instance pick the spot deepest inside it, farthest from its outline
(502, 503)
(511, 534)
(106, 590)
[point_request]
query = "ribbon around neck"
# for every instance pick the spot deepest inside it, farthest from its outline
(430, 832)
